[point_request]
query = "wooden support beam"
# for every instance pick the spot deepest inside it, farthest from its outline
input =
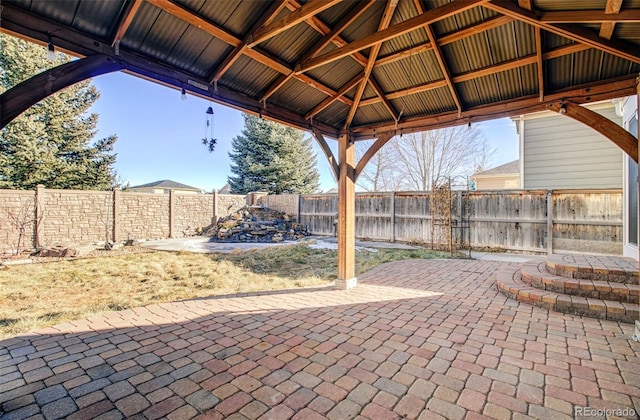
(606, 29)
(127, 17)
(444, 68)
(333, 163)
(486, 71)
(19, 98)
(592, 92)
(603, 125)
(576, 33)
(373, 55)
(346, 214)
(305, 12)
(188, 16)
(539, 63)
(371, 152)
(525, 4)
(590, 16)
(239, 50)
(427, 18)
(385, 100)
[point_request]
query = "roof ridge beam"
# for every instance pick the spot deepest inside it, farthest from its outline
(391, 32)
(339, 94)
(573, 32)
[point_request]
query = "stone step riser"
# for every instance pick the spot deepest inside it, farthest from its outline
(510, 283)
(610, 269)
(535, 275)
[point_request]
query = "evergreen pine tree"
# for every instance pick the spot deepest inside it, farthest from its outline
(51, 142)
(271, 157)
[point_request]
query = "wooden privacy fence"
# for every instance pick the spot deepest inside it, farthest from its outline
(522, 220)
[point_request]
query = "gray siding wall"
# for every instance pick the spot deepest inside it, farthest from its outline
(560, 152)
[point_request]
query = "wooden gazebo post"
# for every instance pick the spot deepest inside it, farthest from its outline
(637, 329)
(346, 214)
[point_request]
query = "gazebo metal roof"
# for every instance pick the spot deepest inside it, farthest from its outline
(357, 67)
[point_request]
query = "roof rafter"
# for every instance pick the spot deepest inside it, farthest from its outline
(446, 39)
(240, 49)
(305, 12)
(319, 46)
(440, 58)
(573, 32)
(606, 29)
(125, 22)
(373, 55)
(391, 32)
(188, 16)
(520, 62)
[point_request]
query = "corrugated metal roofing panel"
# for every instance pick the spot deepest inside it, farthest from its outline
(336, 74)
(411, 71)
(211, 56)
(236, 17)
(292, 44)
(468, 54)
(511, 41)
(85, 19)
(366, 24)
(249, 77)
(462, 20)
(187, 51)
(332, 15)
(629, 32)
(335, 114)
(57, 10)
(371, 114)
(559, 72)
(140, 26)
(297, 96)
(552, 41)
(521, 81)
(163, 36)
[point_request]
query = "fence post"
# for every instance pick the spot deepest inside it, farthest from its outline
(393, 216)
(171, 212)
(39, 214)
(549, 222)
(116, 216)
(299, 205)
(214, 219)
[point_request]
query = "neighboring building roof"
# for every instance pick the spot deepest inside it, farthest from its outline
(226, 189)
(506, 169)
(167, 184)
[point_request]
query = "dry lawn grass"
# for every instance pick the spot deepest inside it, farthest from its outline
(39, 295)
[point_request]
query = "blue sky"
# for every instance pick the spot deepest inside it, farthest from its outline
(159, 135)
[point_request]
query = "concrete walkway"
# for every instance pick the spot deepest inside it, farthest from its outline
(426, 339)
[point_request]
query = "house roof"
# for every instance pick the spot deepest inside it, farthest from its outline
(167, 184)
(362, 68)
(510, 168)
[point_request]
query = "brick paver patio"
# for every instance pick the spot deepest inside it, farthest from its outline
(416, 339)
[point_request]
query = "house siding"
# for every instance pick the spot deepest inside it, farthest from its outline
(562, 153)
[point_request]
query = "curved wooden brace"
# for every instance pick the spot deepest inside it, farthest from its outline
(20, 97)
(380, 141)
(327, 152)
(618, 135)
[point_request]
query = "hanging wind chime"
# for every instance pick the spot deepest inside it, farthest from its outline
(209, 139)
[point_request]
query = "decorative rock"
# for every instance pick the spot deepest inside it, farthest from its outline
(256, 224)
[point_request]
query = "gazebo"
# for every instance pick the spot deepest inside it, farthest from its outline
(349, 70)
